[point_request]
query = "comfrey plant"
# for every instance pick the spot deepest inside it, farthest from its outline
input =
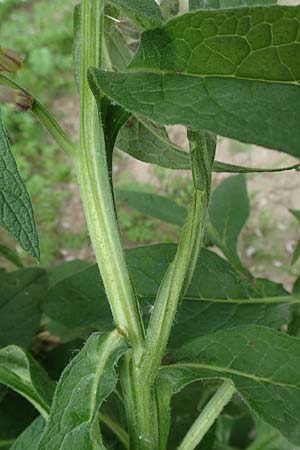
(183, 349)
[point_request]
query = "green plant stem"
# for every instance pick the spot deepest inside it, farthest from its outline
(207, 417)
(180, 272)
(45, 118)
(96, 191)
(116, 429)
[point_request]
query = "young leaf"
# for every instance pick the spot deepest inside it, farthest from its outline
(30, 438)
(145, 13)
(20, 372)
(85, 383)
(16, 214)
(262, 363)
(233, 72)
(21, 296)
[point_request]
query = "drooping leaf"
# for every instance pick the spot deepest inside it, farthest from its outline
(85, 383)
(117, 49)
(16, 414)
(262, 363)
(149, 142)
(21, 372)
(16, 214)
(10, 256)
(218, 297)
(30, 438)
(232, 72)
(153, 205)
(21, 295)
(145, 13)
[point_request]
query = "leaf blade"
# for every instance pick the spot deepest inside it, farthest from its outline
(85, 383)
(16, 214)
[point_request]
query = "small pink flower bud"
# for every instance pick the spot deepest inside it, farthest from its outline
(9, 61)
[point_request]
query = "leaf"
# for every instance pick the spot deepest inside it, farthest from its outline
(21, 295)
(228, 212)
(222, 4)
(262, 363)
(20, 372)
(16, 214)
(78, 302)
(232, 72)
(84, 385)
(153, 205)
(10, 256)
(268, 438)
(149, 142)
(30, 438)
(145, 13)
(218, 297)
(117, 49)
(15, 415)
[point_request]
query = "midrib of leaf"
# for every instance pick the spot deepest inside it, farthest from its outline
(223, 370)
(204, 76)
(246, 301)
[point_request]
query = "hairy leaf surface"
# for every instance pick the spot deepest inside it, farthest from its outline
(16, 214)
(20, 372)
(85, 383)
(262, 363)
(21, 295)
(233, 72)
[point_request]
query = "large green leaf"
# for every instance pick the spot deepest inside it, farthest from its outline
(233, 72)
(145, 13)
(21, 295)
(20, 372)
(30, 438)
(262, 363)
(85, 383)
(16, 214)
(218, 297)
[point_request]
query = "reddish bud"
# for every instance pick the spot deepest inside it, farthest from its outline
(9, 61)
(23, 101)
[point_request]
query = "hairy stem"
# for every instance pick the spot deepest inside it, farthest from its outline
(96, 191)
(180, 272)
(207, 417)
(45, 118)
